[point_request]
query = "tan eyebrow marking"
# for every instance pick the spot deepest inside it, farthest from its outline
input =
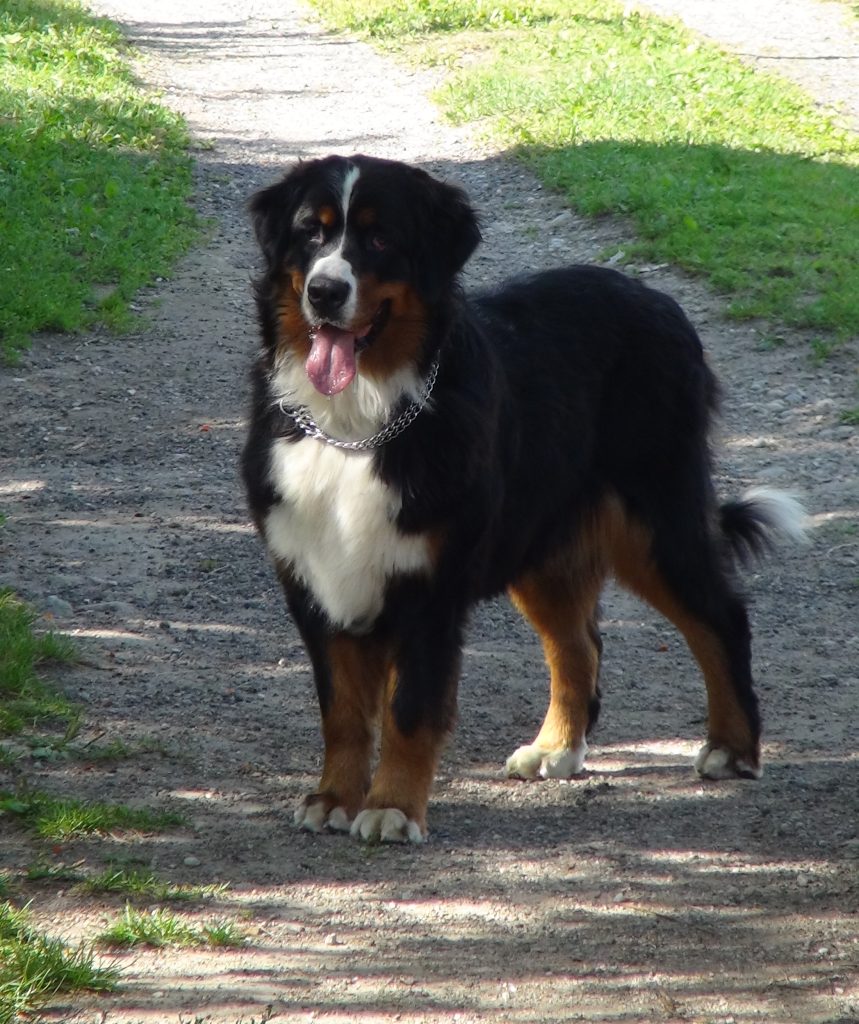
(327, 215)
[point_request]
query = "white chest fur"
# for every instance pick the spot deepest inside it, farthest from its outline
(336, 527)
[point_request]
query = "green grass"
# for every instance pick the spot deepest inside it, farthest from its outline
(386, 20)
(161, 928)
(64, 819)
(94, 175)
(139, 884)
(34, 967)
(852, 5)
(724, 171)
(42, 871)
(25, 700)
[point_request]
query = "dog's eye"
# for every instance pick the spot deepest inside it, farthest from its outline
(378, 242)
(311, 228)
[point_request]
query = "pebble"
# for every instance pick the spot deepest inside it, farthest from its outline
(563, 218)
(191, 861)
(58, 607)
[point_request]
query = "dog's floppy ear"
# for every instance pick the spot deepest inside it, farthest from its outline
(450, 231)
(272, 211)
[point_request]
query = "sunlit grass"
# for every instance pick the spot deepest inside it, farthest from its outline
(140, 884)
(94, 174)
(34, 967)
(63, 819)
(162, 928)
(724, 171)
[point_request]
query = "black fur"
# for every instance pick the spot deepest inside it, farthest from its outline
(556, 393)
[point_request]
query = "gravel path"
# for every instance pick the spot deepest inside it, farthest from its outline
(633, 894)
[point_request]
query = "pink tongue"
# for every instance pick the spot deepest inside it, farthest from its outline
(331, 363)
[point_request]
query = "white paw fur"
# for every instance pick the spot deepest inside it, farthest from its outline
(720, 763)
(535, 762)
(386, 825)
(314, 818)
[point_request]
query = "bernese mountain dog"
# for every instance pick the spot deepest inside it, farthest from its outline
(412, 451)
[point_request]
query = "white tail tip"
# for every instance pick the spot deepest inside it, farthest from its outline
(783, 513)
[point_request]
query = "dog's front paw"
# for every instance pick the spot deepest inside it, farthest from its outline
(386, 825)
(317, 812)
(715, 762)
(536, 762)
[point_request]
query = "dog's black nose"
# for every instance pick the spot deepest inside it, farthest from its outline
(327, 294)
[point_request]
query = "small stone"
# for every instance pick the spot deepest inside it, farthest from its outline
(59, 608)
(191, 861)
(851, 847)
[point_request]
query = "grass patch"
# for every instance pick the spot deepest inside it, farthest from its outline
(385, 20)
(139, 884)
(852, 6)
(25, 701)
(62, 820)
(726, 172)
(162, 928)
(34, 967)
(94, 175)
(42, 871)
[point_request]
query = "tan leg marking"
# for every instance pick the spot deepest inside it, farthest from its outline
(396, 806)
(728, 725)
(358, 670)
(560, 602)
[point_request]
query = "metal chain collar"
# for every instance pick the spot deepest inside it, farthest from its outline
(301, 415)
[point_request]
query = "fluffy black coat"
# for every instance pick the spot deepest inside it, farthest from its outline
(566, 438)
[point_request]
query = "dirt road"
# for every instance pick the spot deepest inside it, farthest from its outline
(634, 894)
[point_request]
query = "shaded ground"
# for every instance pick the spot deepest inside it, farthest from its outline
(634, 894)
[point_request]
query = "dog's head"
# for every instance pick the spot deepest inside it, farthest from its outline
(358, 251)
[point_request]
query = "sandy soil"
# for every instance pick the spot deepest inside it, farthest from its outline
(633, 894)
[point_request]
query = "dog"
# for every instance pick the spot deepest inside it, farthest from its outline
(413, 451)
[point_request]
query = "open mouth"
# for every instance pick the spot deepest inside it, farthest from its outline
(332, 363)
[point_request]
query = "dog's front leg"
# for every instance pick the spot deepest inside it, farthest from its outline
(417, 716)
(350, 673)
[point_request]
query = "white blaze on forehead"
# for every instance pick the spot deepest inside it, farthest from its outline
(333, 264)
(349, 180)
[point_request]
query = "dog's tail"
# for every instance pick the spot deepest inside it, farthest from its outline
(753, 524)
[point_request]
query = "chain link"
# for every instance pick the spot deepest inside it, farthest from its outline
(301, 415)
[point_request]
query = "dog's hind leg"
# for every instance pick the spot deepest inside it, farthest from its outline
(684, 576)
(562, 607)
